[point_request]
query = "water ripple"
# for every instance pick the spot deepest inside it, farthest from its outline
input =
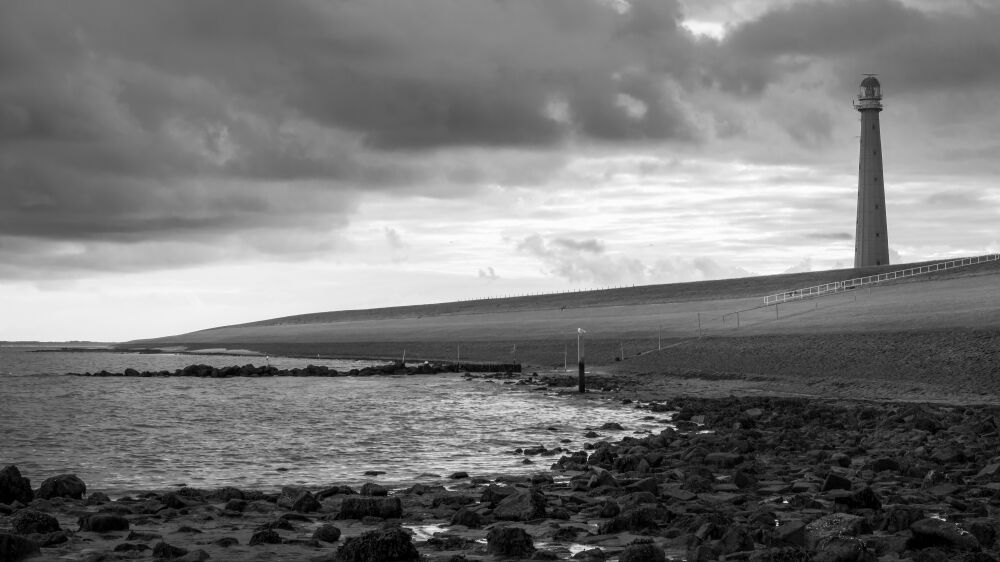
(123, 434)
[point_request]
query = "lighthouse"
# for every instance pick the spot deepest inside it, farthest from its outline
(871, 241)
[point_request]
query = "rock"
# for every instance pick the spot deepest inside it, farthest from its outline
(744, 480)
(636, 520)
(834, 481)
(723, 460)
(103, 523)
(601, 477)
(459, 475)
(522, 506)
(650, 485)
(885, 464)
(289, 495)
(613, 426)
(168, 551)
(29, 521)
(373, 489)
(306, 503)
(97, 498)
(989, 472)
(493, 494)
(266, 536)
(198, 555)
(388, 545)
(279, 523)
(591, 555)
(143, 536)
(842, 549)
(131, 547)
(935, 532)
(227, 493)
(14, 548)
(835, 524)
(361, 507)
(62, 486)
(509, 541)
(14, 487)
(467, 517)
(236, 505)
(46, 540)
(226, 542)
(642, 552)
(327, 532)
(792, 533)
(609, 509)
(865, 498)
(736, 538)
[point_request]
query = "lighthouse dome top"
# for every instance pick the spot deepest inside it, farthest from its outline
(870, 89)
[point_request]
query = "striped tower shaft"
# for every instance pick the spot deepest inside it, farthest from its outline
(871, 240)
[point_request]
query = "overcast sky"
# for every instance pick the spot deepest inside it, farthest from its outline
(172, 166)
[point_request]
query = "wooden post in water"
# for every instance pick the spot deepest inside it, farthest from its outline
(579, 358)
(403, 363)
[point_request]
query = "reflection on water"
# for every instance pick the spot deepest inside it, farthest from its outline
(140, 433)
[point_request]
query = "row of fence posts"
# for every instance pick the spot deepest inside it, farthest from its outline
(581, 356)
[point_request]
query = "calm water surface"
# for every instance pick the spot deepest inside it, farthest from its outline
(121, 434)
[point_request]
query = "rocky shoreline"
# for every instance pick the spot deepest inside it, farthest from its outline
(750, 479)
(250, 370)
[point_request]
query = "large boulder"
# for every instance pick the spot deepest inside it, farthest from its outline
(385, 545)
(509, 541)
(63, 486)
(935, 532)
(29, 521)
(366, 506)
(14, 548)
(835, 525)
(524, 505)
(14, 487)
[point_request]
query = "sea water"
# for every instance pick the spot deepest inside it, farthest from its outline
(128, 433)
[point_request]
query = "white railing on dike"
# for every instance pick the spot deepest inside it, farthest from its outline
(851, 284)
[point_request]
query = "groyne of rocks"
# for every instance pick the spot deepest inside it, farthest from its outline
(397, 368)
(734, 479)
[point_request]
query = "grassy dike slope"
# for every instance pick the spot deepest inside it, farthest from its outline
(942, 322)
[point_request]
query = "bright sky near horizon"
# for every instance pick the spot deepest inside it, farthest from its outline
(172, 166)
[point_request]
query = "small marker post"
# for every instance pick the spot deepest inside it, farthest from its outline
(579, 358)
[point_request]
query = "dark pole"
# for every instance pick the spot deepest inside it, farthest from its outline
(580, 360)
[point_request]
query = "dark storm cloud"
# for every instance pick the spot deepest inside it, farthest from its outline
(132, 119)
(128, 120)
(920, 50)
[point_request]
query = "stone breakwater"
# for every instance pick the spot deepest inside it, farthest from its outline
(751, 479)
(208, 371)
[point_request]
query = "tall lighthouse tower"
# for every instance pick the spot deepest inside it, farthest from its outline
(871, 241)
